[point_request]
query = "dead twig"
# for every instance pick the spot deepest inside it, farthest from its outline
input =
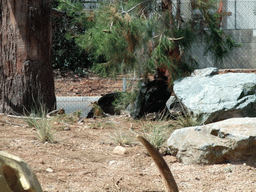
(19, 117)
(131, 129)
(117, 182)
(55, 112)
(48, 115)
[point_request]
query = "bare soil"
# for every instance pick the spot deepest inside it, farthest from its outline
(82, 159)
(69, 84)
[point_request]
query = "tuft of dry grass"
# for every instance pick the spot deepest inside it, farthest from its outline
(188, 120)
(122, 137)
(156, 134)
(43, 125)
(44, 128)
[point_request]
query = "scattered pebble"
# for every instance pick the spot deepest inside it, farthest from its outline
(67, 129)
(49, 170)
(111, 162)
(120, 150)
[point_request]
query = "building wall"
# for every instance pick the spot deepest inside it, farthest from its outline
(241, 57)
(240, 23)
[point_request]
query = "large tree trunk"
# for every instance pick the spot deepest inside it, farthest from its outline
(26, 76)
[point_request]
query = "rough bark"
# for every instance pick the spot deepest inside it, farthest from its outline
(26, 76)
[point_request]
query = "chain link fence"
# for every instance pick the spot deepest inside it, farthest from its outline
(78, 93)
(241, 25)
(238, 20)
(242, 14)
(72, 104)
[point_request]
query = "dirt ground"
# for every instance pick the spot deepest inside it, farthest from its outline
(69, 84)
(82, 159)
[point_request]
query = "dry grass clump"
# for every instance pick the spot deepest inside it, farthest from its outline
(44, 127)
(188, 120)
(45, 124)
(122, 137)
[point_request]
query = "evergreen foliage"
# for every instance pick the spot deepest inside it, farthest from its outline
(216, 41)
(66, 54)
(122, 36)
(112, 41)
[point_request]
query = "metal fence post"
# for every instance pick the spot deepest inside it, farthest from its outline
(124, 84)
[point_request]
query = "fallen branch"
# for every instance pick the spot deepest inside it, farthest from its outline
(171, 39)
(19, 117)
(55, 112)
(168, 180)
(48, 115)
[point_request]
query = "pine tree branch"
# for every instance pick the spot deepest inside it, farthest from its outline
(162, 17)
(68, 4)
(124, 12)
(175, 39)
(74, 7)
(171, 39)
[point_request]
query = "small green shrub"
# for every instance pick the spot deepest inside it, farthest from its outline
(97, 110)
(31, 121)
(69, 118)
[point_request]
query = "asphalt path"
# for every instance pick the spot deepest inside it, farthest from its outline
(71, 104)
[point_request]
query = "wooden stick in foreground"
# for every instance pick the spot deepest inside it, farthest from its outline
(169, 182)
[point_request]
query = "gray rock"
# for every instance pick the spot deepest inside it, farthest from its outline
(171, 102)
(218, 97)
(175, 108)
(152, 98)
(231, 140)
(105, 104)
(205, 72)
